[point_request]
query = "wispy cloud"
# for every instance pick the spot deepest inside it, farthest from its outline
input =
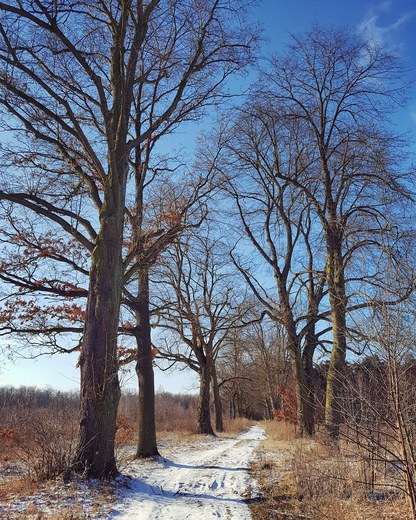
(383, 34)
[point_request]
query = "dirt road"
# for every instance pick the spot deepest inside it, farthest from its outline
(208, 480)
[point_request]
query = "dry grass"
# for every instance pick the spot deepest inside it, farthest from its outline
(305, 479)
(36, 446)
(279, 432)
(233, 427)
(32, 511)
(174, 412)
(37, 443)
(16, 487)
(271, 470)
(25, 498)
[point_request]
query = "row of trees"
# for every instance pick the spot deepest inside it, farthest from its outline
(315, 177)
(285, 223)
(88, 91)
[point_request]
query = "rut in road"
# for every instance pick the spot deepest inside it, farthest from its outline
(207, 480)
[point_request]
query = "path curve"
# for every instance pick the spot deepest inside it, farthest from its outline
(207, 480)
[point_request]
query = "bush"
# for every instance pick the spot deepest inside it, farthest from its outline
(49, 452)
(42, 439)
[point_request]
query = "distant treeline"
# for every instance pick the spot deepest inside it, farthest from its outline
(33, 397)
(171, 409)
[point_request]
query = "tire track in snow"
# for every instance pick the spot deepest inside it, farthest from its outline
(207, 482)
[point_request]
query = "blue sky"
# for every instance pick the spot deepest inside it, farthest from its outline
(391, 23)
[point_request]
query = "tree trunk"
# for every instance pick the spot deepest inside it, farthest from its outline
(304, 405)
(204, 414)
(100, 390)
(233, 406)
(307, 362)
(146, 445)
(269, 405)
(269, 408)
(337, 299)
(219, 424)
(304, 409)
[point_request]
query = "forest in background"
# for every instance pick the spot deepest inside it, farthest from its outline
(277, 262)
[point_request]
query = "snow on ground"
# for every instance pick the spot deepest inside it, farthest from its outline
(76, 500)
(197, 479)
(208, 480)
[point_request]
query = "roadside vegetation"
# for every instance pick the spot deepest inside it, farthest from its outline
(38, 430)
(313, 479)
(299, 477)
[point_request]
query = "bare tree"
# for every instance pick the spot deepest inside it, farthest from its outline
(253, 365)
(79, 87)
(394, 340)
(277, 220)
(336, 90)
(199, 308)
(169, 210)
(379, 403)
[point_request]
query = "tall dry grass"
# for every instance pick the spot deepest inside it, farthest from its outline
(38, 429)
(315, 479)
(39, 442)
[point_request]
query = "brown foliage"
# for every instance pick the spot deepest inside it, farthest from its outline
(37, 431)
(288, 409)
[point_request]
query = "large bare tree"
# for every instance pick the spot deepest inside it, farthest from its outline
(84, 86)
(168, 211)
(276, 220)
(336, 90)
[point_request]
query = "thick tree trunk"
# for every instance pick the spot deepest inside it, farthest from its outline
(307, 362)
(337, 298)
(304, 405)
(219, 423)
(304, 408)
(100, 391)
(204, 414)
(146, 445)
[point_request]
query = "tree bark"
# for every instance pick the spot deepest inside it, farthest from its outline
(219, 423)
(100, 390)
(204, 414)
(304, 408)
(307, 362)
(146, 444)
(337, 299)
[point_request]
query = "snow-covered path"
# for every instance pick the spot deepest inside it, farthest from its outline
(210, 480)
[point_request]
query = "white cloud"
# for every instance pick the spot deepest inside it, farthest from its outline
(383, 34)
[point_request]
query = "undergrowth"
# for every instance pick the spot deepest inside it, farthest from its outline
(312, 479)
